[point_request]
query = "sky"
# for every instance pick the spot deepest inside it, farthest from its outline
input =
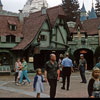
(15, 5)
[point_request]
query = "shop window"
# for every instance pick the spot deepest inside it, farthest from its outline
(4, 59)
(10, 39)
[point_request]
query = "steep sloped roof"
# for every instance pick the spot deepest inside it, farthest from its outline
(91, 26)
(30, 31)
(83, 8)
(75, 29)
(4, 26)
(34, 23)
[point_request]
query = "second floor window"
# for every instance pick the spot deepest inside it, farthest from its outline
(12, 27)
(10, 39)
(43, 37)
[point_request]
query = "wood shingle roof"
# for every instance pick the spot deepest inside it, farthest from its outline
(33, 24)
(4, 26)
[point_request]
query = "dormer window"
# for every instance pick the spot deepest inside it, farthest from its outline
(12, 25)
(10, 39)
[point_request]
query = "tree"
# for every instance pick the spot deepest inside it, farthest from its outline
(97, 7)
(71, 7)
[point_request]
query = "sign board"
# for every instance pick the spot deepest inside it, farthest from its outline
(83, 51)
(31, 59)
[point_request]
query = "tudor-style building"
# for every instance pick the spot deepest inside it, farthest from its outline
(44, 32)
(33, 37)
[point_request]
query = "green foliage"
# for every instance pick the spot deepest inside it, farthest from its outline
(71, 8)
(97, 7)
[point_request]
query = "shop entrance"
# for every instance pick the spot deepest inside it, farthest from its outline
(44, 56)
(88, 54)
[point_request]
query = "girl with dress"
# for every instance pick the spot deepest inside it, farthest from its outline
(94, 84)
(38, 83)
(17, 66)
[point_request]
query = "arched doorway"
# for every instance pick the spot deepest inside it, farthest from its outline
(88, 54)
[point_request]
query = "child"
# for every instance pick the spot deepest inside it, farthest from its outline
(20, 71)
(60, 66)
(17, 65)
(38, 83)
(94, 84)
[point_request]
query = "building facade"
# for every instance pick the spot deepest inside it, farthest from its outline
(33, 37)
(85, 33)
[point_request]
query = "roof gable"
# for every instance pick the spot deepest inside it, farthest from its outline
(91, 29)
(34, 23)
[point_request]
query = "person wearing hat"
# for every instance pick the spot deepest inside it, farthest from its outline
(82, 68)
(94, 84)
(67, 69)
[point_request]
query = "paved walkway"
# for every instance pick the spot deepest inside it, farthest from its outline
(19, 91)
(77, 89)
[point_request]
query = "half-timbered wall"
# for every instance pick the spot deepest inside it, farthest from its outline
(59, 35)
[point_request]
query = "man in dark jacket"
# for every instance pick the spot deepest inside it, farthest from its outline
(51, 74)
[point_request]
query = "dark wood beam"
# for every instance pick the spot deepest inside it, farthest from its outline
(61, 34)
(60, 43)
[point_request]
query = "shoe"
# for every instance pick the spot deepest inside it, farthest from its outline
(23, 83)
(61, 82)
(85, 82)
(29, 84)
(18, 84)
(67, 89)
(82, 82)
(63, 88)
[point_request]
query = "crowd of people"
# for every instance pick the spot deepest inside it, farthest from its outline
(54, 70)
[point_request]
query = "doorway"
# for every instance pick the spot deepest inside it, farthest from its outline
(88, 54)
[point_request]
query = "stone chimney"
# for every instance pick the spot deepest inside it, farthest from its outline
(43, 9)
(21, 16)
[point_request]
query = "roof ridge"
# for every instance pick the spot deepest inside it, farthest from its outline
(47, 9)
